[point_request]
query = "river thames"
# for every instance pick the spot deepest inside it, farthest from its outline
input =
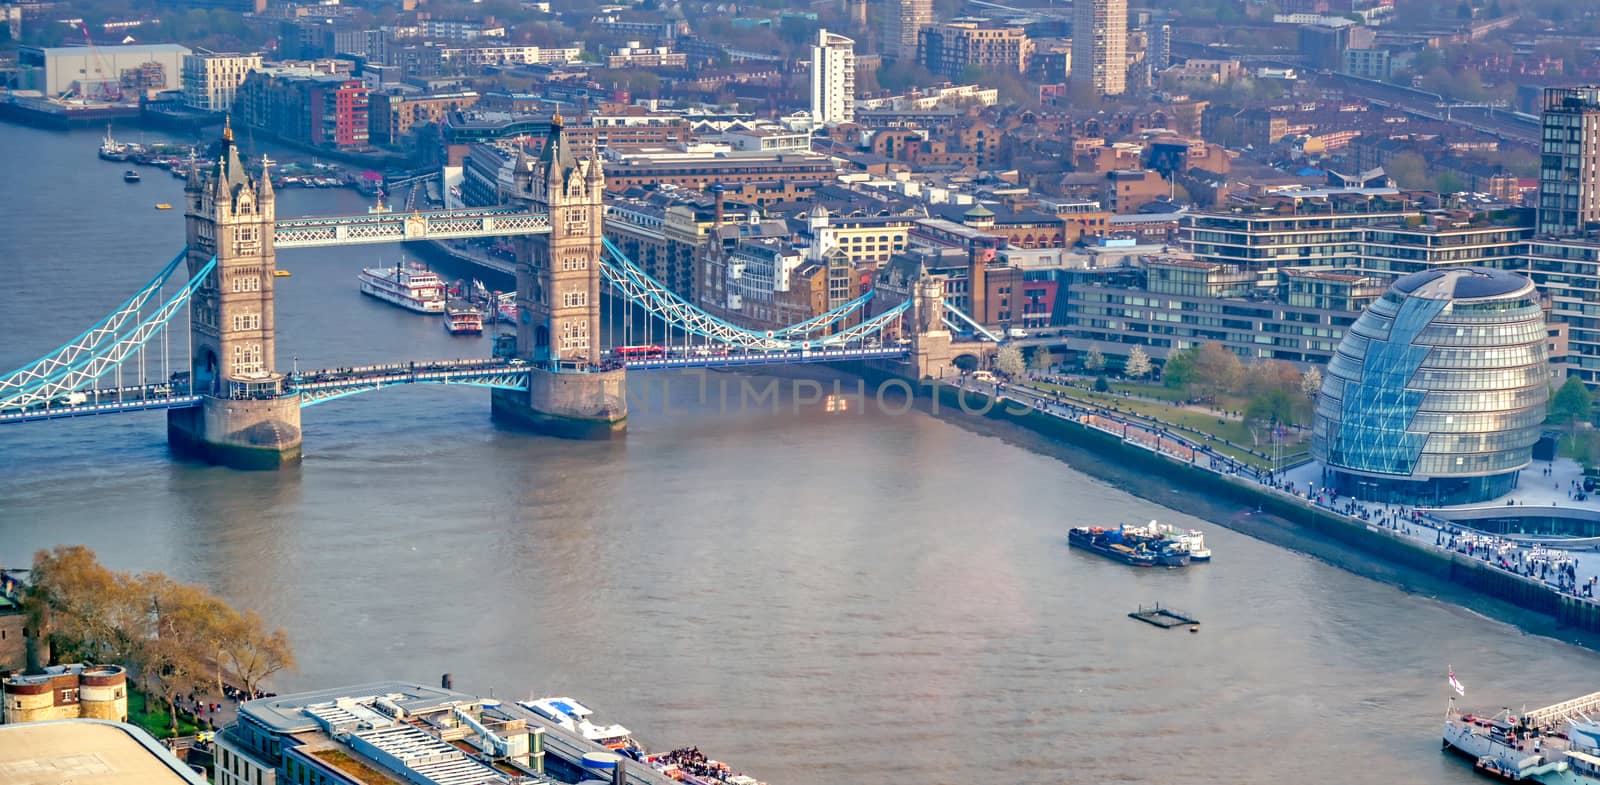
(818, 597)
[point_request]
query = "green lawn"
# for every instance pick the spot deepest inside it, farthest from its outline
(153, 718)
(1225, 435)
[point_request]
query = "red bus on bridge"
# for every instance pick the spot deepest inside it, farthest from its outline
(639, 352)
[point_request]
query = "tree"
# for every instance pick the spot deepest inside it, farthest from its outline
(169, 661)
(255, 653)
(174, 637)
(79, 605)
(1570, 404)
(1217, 369)
(1138, 365)
(1009, 361)
(1311, 383)
(1409, 170)
(1043, 360)
(1094, 361)
(1179, 370)
(1275, 407)
(1101, 385)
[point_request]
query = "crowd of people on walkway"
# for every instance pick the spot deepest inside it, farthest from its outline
(693, 762)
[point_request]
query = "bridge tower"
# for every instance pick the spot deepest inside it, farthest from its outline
(245, 420)
(932, 352)
(569, 393)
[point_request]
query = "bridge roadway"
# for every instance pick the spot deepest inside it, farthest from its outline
(113, 400)
(326, 384)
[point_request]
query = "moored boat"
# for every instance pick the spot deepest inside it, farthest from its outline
(1505, 748)
(112, 150)
(413, 288)
(462, 319)
(1111, 544)
(1192, 541)
(574, 717)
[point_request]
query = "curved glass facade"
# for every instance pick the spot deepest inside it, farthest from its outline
(1437, 392)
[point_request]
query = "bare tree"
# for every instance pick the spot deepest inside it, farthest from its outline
(255, 653)
(1311, 382)
(1138, 365)
(1009, 361)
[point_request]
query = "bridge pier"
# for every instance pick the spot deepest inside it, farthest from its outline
(239, 434)
(568, 405)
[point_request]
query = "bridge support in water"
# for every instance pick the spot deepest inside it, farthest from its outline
(245, 420)
(244, 434)
(568, 405)
(558, 303)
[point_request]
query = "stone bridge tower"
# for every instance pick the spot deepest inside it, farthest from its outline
(245, 419)
(932, 353)
(559, 329)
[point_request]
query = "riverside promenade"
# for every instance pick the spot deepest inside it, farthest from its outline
(1534, 572)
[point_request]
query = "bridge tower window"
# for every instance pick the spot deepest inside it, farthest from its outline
(246, 358)
(574, 334)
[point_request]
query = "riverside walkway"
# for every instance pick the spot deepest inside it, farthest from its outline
(1557, 570)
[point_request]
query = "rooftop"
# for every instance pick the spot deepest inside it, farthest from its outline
(282, 714)
(1461, 282)
(87, 752)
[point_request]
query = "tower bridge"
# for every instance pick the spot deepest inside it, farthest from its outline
(233, 406)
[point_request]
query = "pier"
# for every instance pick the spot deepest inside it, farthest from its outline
(1165, 618)
(1549, 718)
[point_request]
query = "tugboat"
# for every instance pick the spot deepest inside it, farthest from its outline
(1129, 546)
(130, 176)
(111, 149)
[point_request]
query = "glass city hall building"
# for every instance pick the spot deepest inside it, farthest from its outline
(1436, 394)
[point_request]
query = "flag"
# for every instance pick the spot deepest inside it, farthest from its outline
(1456, 685)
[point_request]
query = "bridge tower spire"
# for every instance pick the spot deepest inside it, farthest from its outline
(245, 419)
(570, 391)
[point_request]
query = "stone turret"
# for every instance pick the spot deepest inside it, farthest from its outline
(245, 419)
(558, 297)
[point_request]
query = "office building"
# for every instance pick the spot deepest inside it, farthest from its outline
(635, 56)
(1437, 393)
(833, 79)
(101, 73)
(387, 733)
(1160, 55)
(1569, 170)
(301, 104)
(391, 115)
(212, 79)
(902, 21)
(1100, 46)
(949, 49)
